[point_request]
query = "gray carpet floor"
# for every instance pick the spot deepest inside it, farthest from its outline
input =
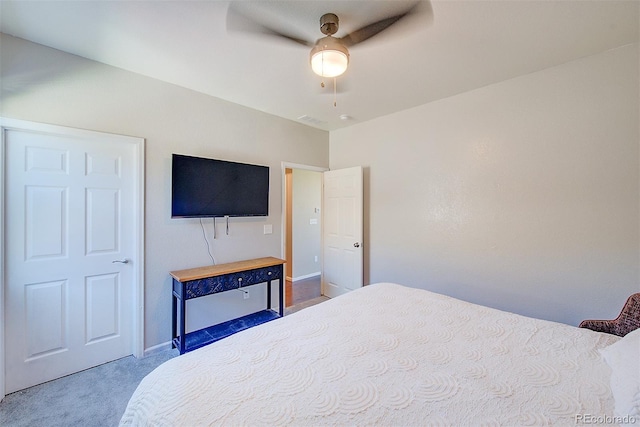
(96, 397)
(304, 304)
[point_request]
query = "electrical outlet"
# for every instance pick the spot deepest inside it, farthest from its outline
(245, 294)
(315, 258)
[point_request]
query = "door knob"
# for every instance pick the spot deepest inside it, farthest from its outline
(356, 245)
(123, 261)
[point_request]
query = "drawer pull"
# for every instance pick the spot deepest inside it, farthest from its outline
(239, 279)
(269, 273)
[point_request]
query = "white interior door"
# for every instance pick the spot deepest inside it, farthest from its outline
(342, 231)
(70, 283)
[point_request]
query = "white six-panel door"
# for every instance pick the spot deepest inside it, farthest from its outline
(342, 231)
(70, 285)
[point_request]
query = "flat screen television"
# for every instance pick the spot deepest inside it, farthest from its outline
(202, 187)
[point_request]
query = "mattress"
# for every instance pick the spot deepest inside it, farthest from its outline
(385, 354)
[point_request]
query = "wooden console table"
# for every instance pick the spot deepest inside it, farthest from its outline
(201, 281)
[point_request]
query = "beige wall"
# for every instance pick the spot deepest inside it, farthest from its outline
(45, 85)
(307, 197)
(523, 195)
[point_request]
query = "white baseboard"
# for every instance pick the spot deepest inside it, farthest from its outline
(306, 276)
(157, 349)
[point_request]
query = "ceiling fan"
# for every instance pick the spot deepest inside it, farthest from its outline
(329, 56)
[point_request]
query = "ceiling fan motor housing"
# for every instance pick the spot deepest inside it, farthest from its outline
(329, 24)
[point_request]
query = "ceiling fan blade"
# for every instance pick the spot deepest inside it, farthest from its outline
(238, 21)
(370, 30)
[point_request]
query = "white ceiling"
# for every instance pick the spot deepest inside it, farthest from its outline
(458, 46)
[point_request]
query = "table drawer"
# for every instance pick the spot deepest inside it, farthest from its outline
(209, 285)
(213, 285)
(261, 275)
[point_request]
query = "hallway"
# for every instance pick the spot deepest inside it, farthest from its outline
(302, 290)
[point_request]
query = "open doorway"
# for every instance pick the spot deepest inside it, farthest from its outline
(303, 233)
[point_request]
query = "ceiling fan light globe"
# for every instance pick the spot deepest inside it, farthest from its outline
(329, 58)
(329, 63)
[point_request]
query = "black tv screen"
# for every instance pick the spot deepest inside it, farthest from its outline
(202, 187)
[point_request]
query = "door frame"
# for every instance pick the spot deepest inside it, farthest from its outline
(138, 275)
(283, 225)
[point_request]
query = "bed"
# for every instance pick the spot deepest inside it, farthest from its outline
(392, 355)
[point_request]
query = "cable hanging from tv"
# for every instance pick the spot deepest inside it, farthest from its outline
(204, 234)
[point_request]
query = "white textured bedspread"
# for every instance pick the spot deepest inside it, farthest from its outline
(384, 355)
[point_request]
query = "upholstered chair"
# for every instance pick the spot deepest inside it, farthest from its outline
(627, 320)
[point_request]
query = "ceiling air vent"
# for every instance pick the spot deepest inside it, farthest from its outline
(312, 120)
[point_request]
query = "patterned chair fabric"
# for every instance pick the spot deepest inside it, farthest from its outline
(627, 321)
